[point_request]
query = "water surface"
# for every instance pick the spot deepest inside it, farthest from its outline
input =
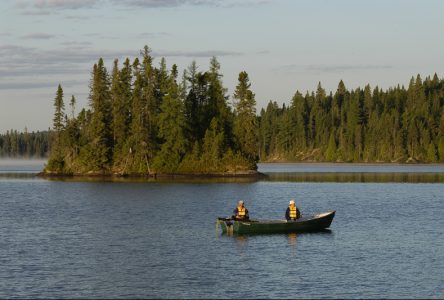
(75, 239)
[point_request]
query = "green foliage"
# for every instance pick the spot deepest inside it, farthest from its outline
(24, 144)
(140, 120)
(171, 129)
(59, 110)
(397, 125)
(245, 122)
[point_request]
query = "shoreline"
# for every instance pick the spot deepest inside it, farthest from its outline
(353, 163)
(244, 174)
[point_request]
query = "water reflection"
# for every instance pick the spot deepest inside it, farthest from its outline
(271, 172)
(357, 177)
(292, 237)
(181, 179)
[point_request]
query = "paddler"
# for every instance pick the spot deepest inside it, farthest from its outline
(241, 212)
(292, 213)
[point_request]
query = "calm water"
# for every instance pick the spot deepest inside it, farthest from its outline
(159, 240)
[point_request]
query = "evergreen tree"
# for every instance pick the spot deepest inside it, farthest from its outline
(245, 124)
(98, 152)
(171, 128)
(59, 110)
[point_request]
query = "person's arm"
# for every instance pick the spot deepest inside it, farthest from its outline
(234, 214)
(298, 213)
(287, 214)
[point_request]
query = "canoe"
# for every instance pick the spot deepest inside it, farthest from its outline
(316, 222)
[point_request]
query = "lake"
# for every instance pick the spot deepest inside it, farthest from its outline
(158, 239)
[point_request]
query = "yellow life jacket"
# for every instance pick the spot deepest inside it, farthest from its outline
(241, 212)
(293, 212)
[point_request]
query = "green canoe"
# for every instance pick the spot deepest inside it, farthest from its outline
(306, 223)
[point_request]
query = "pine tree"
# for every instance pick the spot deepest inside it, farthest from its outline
(330, 153)
(150, 102)
(59, 110)
(56, 160)
(213, 149)
(121, 93)
(245, 124)
(171, 128)
(191, 104)
(138, 142)
(98, 152)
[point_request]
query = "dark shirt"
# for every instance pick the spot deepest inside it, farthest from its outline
(235, 211)
(287, 213)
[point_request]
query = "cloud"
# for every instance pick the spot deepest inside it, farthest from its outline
(38, 85)
(78, 17)
(330, 68)
(36, 12)
(152, 34)
(64, 4)
(202, 53)
(38, 36)
(338, 68)
(76, 43)
(26, 67)
(46, 7)
(176, 3)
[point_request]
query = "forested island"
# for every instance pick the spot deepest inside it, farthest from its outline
(146, 120)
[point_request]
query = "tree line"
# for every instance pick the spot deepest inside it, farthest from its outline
(360, 125)
(144, 119)
(14, 144)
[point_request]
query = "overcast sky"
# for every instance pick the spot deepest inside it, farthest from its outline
(284, 45)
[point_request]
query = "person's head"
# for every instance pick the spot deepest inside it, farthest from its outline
(240, 203)
(292, 203)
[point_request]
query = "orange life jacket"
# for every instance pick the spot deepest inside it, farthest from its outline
(293, 212)
(241, 212)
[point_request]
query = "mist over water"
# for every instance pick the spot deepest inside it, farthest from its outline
(22, 165)
(95, 239)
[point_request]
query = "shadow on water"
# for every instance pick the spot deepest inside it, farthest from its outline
(17, 175)
(196, 180)
(241, 240)
(361, 177)
(357, 177)
(246, 235)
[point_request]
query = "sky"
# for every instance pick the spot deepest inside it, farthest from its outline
(284, 45)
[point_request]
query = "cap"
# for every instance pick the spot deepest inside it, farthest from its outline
(241, 202)
(291, 201)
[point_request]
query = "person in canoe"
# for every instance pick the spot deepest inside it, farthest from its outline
(292, 213)
(241, 212)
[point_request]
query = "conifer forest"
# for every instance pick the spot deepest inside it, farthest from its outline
(149, 119)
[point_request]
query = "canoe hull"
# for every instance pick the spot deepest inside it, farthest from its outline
(305, 224)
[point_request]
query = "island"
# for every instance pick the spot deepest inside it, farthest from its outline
(146, 120)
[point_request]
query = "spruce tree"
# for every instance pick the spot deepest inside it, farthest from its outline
(245, 124)
(98, 152)
(171, 128)
(59, 112)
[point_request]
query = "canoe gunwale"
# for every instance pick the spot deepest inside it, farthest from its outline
(315, 222)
